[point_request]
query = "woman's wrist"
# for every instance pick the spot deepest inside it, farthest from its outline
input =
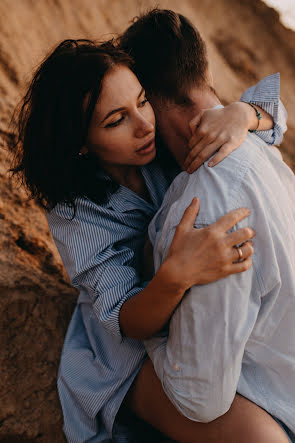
(258, 119)
(148, 311)
(252, 122)
(173, 277)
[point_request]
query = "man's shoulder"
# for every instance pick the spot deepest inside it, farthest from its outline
(223, 187)
(250, 155)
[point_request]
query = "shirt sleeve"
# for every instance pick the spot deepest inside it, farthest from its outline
(266, 94)
(199, 362)
(96, 263)
(200, 366)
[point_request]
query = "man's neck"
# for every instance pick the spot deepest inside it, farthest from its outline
(200, 99)
(173, 118)
(203, 99)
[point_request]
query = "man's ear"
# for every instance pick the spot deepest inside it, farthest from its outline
(84, 150)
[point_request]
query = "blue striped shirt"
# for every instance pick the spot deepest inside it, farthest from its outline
(101, 249)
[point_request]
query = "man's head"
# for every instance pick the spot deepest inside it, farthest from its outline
(171, 63)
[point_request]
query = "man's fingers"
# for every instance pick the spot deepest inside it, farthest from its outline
(223, 152)
(243, 252)
(240, 236)
(229, 220)
(190, 214)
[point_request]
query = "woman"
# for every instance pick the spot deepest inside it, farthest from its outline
(86, 153)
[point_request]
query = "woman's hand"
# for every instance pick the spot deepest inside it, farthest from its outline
(196, 256)
(221, 130)
(200, 256)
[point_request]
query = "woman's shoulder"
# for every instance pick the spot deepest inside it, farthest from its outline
(81, 222)
(82, 209)
(88, 222)
(83, 231)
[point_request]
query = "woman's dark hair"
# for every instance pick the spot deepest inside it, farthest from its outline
(51, 124)
(169, 53)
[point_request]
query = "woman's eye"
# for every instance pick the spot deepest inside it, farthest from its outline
(116, 123)
(143, 102)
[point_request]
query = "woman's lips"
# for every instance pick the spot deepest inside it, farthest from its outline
(147, 148)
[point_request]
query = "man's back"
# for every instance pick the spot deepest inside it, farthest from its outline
(237, 334)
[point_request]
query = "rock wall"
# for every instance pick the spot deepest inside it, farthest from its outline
(245, 40)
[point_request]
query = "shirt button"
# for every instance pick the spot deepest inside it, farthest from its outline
(176, 367)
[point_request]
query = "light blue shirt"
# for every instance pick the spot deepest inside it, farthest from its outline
(236, 334)
(101, 249)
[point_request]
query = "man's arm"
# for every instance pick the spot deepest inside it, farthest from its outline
(199, 364)
(201, 361)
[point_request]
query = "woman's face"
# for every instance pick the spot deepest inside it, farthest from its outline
(122, 128)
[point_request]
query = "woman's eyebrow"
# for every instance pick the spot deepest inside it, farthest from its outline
(141, 91)
(120, 109)
(112, 112)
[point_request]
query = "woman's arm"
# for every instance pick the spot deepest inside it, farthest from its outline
(196, 255)
(224, 129)
(100, 263)
(266, 94)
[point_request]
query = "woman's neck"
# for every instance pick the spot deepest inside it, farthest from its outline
(130, 177)
(124, 175)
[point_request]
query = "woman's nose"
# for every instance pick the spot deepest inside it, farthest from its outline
(143, 126)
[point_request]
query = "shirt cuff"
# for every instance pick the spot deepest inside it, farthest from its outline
(266, 94)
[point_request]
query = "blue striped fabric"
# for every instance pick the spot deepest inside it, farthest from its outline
(266, 94)
(101, 250)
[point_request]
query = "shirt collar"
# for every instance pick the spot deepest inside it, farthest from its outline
(124, 200)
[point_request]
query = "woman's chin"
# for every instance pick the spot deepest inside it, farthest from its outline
(148, 158)
(146, 155)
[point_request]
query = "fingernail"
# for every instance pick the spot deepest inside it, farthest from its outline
(211, 163)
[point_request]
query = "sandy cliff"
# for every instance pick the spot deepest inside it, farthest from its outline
(246, 41)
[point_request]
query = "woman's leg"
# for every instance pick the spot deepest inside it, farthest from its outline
(245, 422)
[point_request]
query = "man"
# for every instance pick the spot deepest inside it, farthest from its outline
(236, 334)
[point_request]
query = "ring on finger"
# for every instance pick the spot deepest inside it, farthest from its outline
(240, 252)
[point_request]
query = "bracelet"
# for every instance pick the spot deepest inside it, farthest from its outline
(258, 115)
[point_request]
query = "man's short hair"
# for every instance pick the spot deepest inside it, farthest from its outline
(170, 55)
